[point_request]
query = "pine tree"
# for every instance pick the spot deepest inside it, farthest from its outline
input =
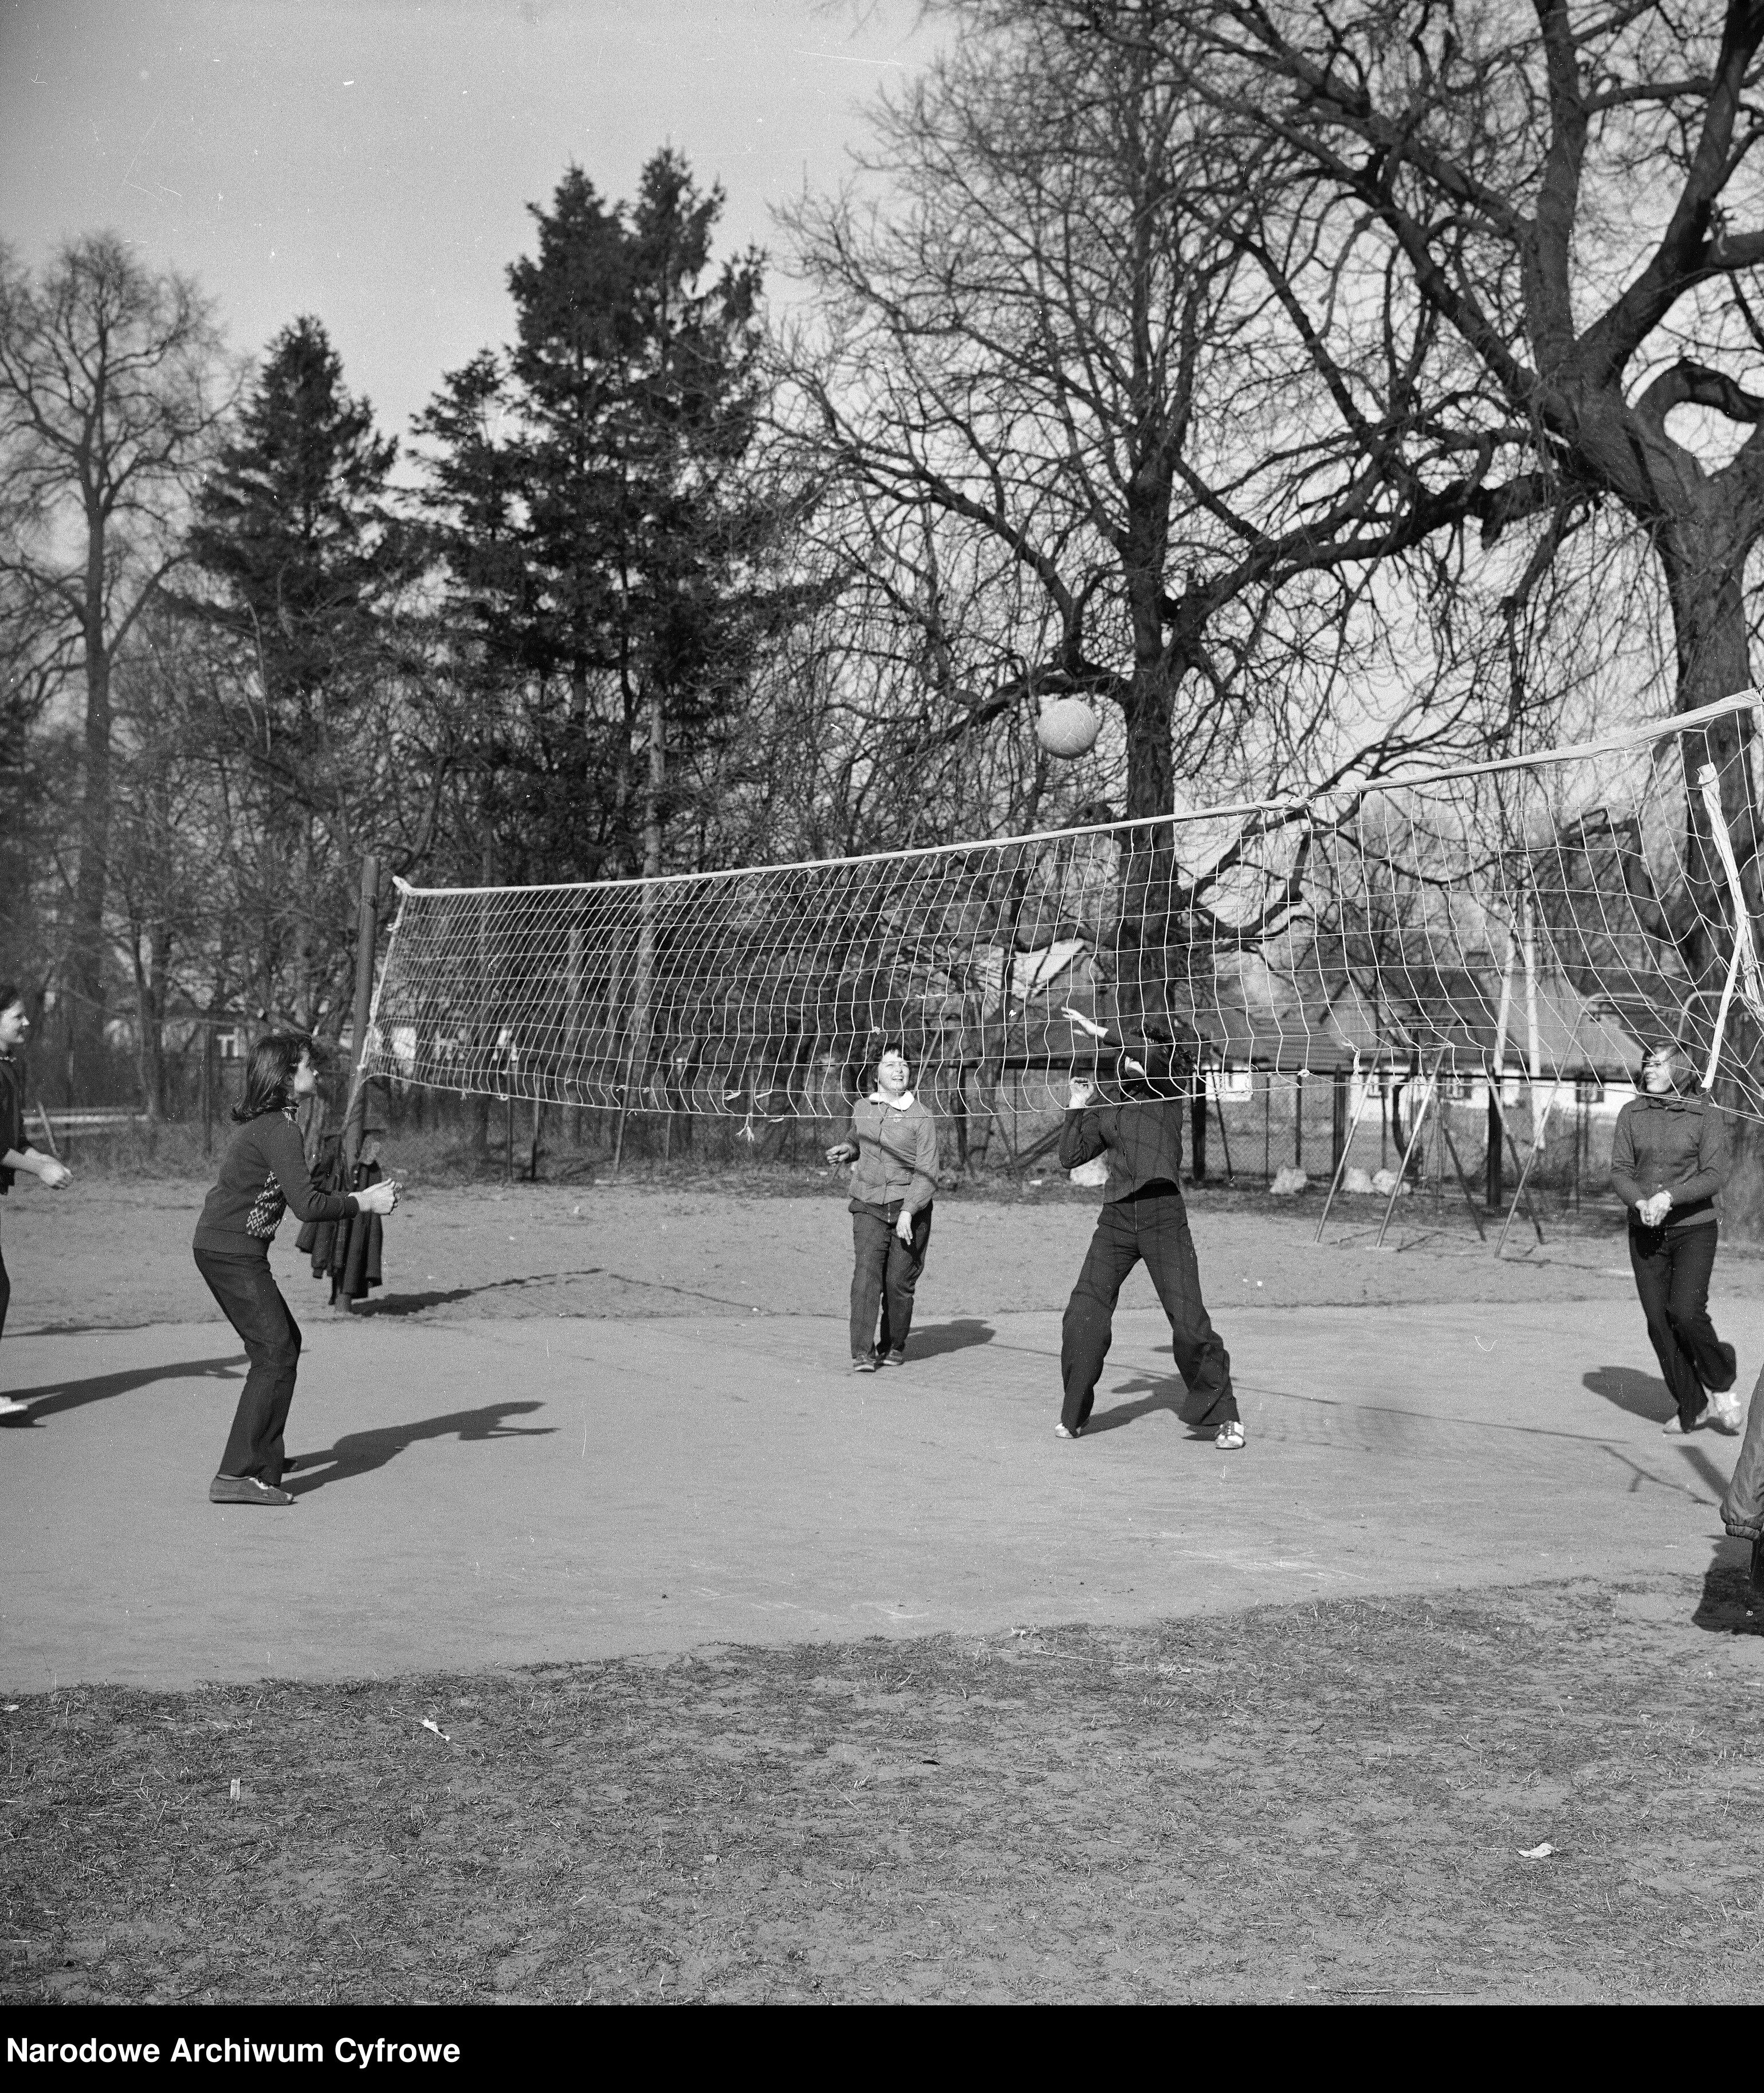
(604, 549)
(305, 562)
(293, 533)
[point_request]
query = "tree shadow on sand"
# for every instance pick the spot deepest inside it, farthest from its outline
(1641, 1394)
(51, 1398)
(1732, 1600)
(360, 1453)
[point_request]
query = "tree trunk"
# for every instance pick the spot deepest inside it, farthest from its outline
(91, 886)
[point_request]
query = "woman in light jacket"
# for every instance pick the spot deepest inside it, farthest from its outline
(1668, 1159)
(892, 1146)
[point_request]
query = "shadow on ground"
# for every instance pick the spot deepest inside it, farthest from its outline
(54, 1396)
(1167, 1393)
(1641, 1394)
(413, 1304)
(1732, 1600)
(929, 1341)
(360, 1453)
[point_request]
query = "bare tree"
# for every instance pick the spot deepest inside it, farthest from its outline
(1568, 199)
(111, 385)
(1086, 335)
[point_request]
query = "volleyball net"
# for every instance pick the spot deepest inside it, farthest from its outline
(1551, 914)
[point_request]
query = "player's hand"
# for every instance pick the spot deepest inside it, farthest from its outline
(53, 1174)
(840, 1152)
(1083, 1023)
(903, 1226)
(379, 1199)
(1080, 1094)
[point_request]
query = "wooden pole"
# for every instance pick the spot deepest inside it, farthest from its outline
(1347, 1149)
(366, 929)
(1415, 1126)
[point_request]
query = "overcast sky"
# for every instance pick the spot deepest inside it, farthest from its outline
(370, 161)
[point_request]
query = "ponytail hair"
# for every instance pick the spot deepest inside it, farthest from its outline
(273, 1060)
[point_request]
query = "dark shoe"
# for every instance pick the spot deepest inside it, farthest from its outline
(868, 1364)
(246, 1489)
(896, 1358)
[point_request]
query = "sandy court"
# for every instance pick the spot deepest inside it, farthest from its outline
(508, 1490)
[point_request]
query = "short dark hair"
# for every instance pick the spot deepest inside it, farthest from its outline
(10, 993)
(1686, 1074)
(273, 1060)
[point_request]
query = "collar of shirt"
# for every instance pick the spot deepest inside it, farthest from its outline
(899, 1103)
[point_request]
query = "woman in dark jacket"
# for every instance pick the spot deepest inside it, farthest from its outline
(1668, 1159)
(263, 1174)
(1143, 1216)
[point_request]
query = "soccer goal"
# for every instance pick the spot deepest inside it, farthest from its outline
(1557, 911)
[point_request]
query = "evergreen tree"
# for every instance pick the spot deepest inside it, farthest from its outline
(605, 549)
(293, 533)
(305, 563)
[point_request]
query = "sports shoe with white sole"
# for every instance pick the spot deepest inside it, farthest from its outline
(10, 1406)
(1230, 1436)
(1726, 1412)
(246, 1489)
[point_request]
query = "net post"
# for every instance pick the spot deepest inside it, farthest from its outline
(1415, 1135)
(367, 931)
(1347, 1149)
(1744, 961)
(1540, 1131)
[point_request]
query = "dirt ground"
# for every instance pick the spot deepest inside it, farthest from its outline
(1551, 1793)
(114, 1254)
(1339, 1799)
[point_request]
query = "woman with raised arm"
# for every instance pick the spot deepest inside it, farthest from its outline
(1668, 1159)
(263, 1174)
(892, 1146)
(1143, 1216)
(16, 1153)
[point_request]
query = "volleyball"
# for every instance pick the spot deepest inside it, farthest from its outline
(1067, 726)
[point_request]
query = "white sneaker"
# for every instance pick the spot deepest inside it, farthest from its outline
(1726, 1412)
(10, 1406)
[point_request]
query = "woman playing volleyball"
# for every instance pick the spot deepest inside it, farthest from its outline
(1668, 1159)
(263, 1174)
(893, 1145)
(1143, 1216)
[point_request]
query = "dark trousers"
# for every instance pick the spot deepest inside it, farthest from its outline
(1155, 1227)
(1672, 1278)
(884, 1273)
(252, 1303)
(1742, 1509)
(5, 1295)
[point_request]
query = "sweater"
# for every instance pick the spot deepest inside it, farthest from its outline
(1143, 1140)
(896, 1154)
(263, 1174)
(1670, 1144)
